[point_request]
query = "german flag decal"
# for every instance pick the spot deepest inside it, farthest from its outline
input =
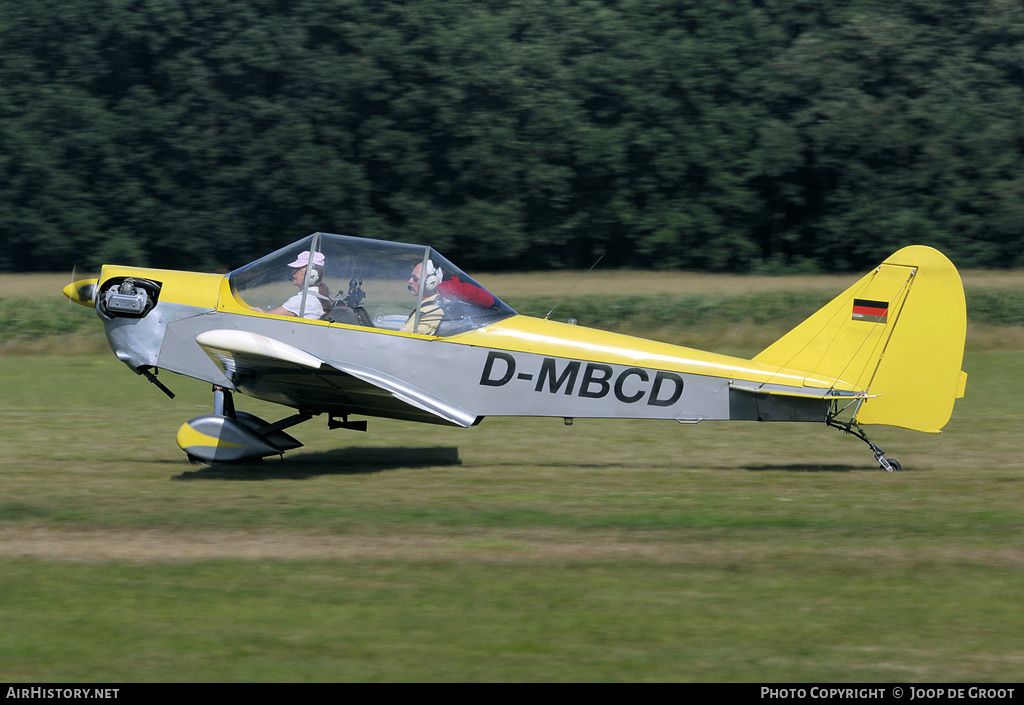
(871, 311)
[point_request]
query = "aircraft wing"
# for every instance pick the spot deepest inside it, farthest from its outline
(269, 369)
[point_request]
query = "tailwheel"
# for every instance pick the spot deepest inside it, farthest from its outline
(888, 464)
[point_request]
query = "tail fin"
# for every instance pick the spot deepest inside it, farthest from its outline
(897, 334)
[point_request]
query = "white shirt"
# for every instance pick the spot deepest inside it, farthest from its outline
(314, 308)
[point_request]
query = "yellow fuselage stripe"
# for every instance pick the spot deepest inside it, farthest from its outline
(553, 339)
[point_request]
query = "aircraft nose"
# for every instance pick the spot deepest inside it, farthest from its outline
(82, 292)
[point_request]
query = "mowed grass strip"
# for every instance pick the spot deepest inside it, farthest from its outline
(797, 617)
(518, 550)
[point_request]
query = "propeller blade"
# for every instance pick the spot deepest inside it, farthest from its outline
(81, 291)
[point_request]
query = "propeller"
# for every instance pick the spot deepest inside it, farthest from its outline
(81, 291)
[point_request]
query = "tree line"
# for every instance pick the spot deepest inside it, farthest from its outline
(755, 135)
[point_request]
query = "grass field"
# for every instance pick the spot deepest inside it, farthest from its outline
(519, 550)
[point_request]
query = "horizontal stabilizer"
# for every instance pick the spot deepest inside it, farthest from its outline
(789, 392)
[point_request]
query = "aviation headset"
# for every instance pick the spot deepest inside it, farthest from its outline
(314, 274)
(433, 278)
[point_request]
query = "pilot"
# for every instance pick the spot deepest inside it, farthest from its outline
(434, 288)
(318, 297)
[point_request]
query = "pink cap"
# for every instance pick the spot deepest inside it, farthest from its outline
(303, 260)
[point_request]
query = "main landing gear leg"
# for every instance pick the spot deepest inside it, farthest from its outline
(888, 464)
(223, 403)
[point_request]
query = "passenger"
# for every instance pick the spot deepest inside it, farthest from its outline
(434, 288)
(318, 297)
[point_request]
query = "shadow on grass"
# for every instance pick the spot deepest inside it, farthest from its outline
(340, 461)
(809, 467)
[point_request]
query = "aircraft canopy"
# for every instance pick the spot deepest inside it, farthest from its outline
(370, 283)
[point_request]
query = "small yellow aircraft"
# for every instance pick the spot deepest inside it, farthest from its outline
(348, 326)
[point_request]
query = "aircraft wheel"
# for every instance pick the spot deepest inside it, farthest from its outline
(199, 462)
(895, 464)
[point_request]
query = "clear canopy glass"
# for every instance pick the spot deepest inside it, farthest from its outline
(369, 283)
